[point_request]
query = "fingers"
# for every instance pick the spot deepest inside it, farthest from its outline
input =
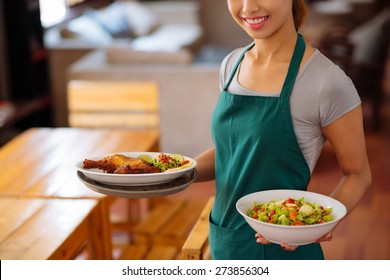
(287, 247)
(260, 239)
(326, 237)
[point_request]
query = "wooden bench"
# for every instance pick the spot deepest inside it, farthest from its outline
(162, 233)
(143, 252)
(156, 219)
(175, 232)
(42, 228)
(196, 247)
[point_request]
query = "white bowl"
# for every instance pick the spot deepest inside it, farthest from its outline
(292, 235)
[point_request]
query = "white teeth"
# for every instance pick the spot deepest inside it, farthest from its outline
(256, 20)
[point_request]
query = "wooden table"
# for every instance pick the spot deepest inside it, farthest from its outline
(40, 163)
(39, 228)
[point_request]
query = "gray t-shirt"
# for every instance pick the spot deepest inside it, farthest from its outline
(322, 93)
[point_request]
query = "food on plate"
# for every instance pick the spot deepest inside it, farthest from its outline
(144, 163)
(290, 212)
(120, 164)
(168, 162)
(146, 158)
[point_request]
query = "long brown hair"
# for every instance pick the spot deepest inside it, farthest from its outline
(299, 12)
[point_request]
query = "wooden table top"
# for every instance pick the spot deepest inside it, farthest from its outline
(28, 231)
(41, 161)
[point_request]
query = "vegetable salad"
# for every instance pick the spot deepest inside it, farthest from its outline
(167, 162)
(290, 212)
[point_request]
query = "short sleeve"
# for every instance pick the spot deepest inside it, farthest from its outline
(227, 66)
(338, 96)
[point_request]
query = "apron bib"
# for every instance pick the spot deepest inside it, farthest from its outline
(256, 150)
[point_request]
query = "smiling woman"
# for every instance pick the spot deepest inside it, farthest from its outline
(260, 123)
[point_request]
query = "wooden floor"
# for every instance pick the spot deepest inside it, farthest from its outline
(365, 233)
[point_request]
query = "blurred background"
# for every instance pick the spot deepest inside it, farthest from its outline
(48, 45)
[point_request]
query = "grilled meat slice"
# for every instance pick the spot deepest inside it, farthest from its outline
(120, 164)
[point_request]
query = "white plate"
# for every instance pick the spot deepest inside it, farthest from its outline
(133, 179)
(147, 191)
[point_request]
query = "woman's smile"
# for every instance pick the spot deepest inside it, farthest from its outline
(255, 22)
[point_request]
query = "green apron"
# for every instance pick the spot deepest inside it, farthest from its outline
(256, 149)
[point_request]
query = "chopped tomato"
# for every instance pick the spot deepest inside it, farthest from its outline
(255, 216)
(293, 214)
(163, 158)
(271, 213)
(290, 200)
(297, 223)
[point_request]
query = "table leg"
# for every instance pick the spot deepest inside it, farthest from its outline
(100, 232)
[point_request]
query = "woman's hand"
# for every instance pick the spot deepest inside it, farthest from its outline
(326, 237)
(261, 240)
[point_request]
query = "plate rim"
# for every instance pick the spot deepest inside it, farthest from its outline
(113, 190)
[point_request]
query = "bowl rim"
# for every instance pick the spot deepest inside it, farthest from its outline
(303, 227)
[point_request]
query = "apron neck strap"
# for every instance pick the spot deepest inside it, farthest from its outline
(293, 69)
(236, 66)
(292, 72)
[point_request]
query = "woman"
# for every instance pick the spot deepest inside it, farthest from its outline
(280, 101)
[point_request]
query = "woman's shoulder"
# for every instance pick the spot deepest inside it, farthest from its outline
(333, 90)
(319, 60)
(319, 67)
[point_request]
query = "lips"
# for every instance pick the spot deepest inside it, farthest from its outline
(255, 22)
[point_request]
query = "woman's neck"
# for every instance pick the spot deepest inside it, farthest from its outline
(276, 48)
